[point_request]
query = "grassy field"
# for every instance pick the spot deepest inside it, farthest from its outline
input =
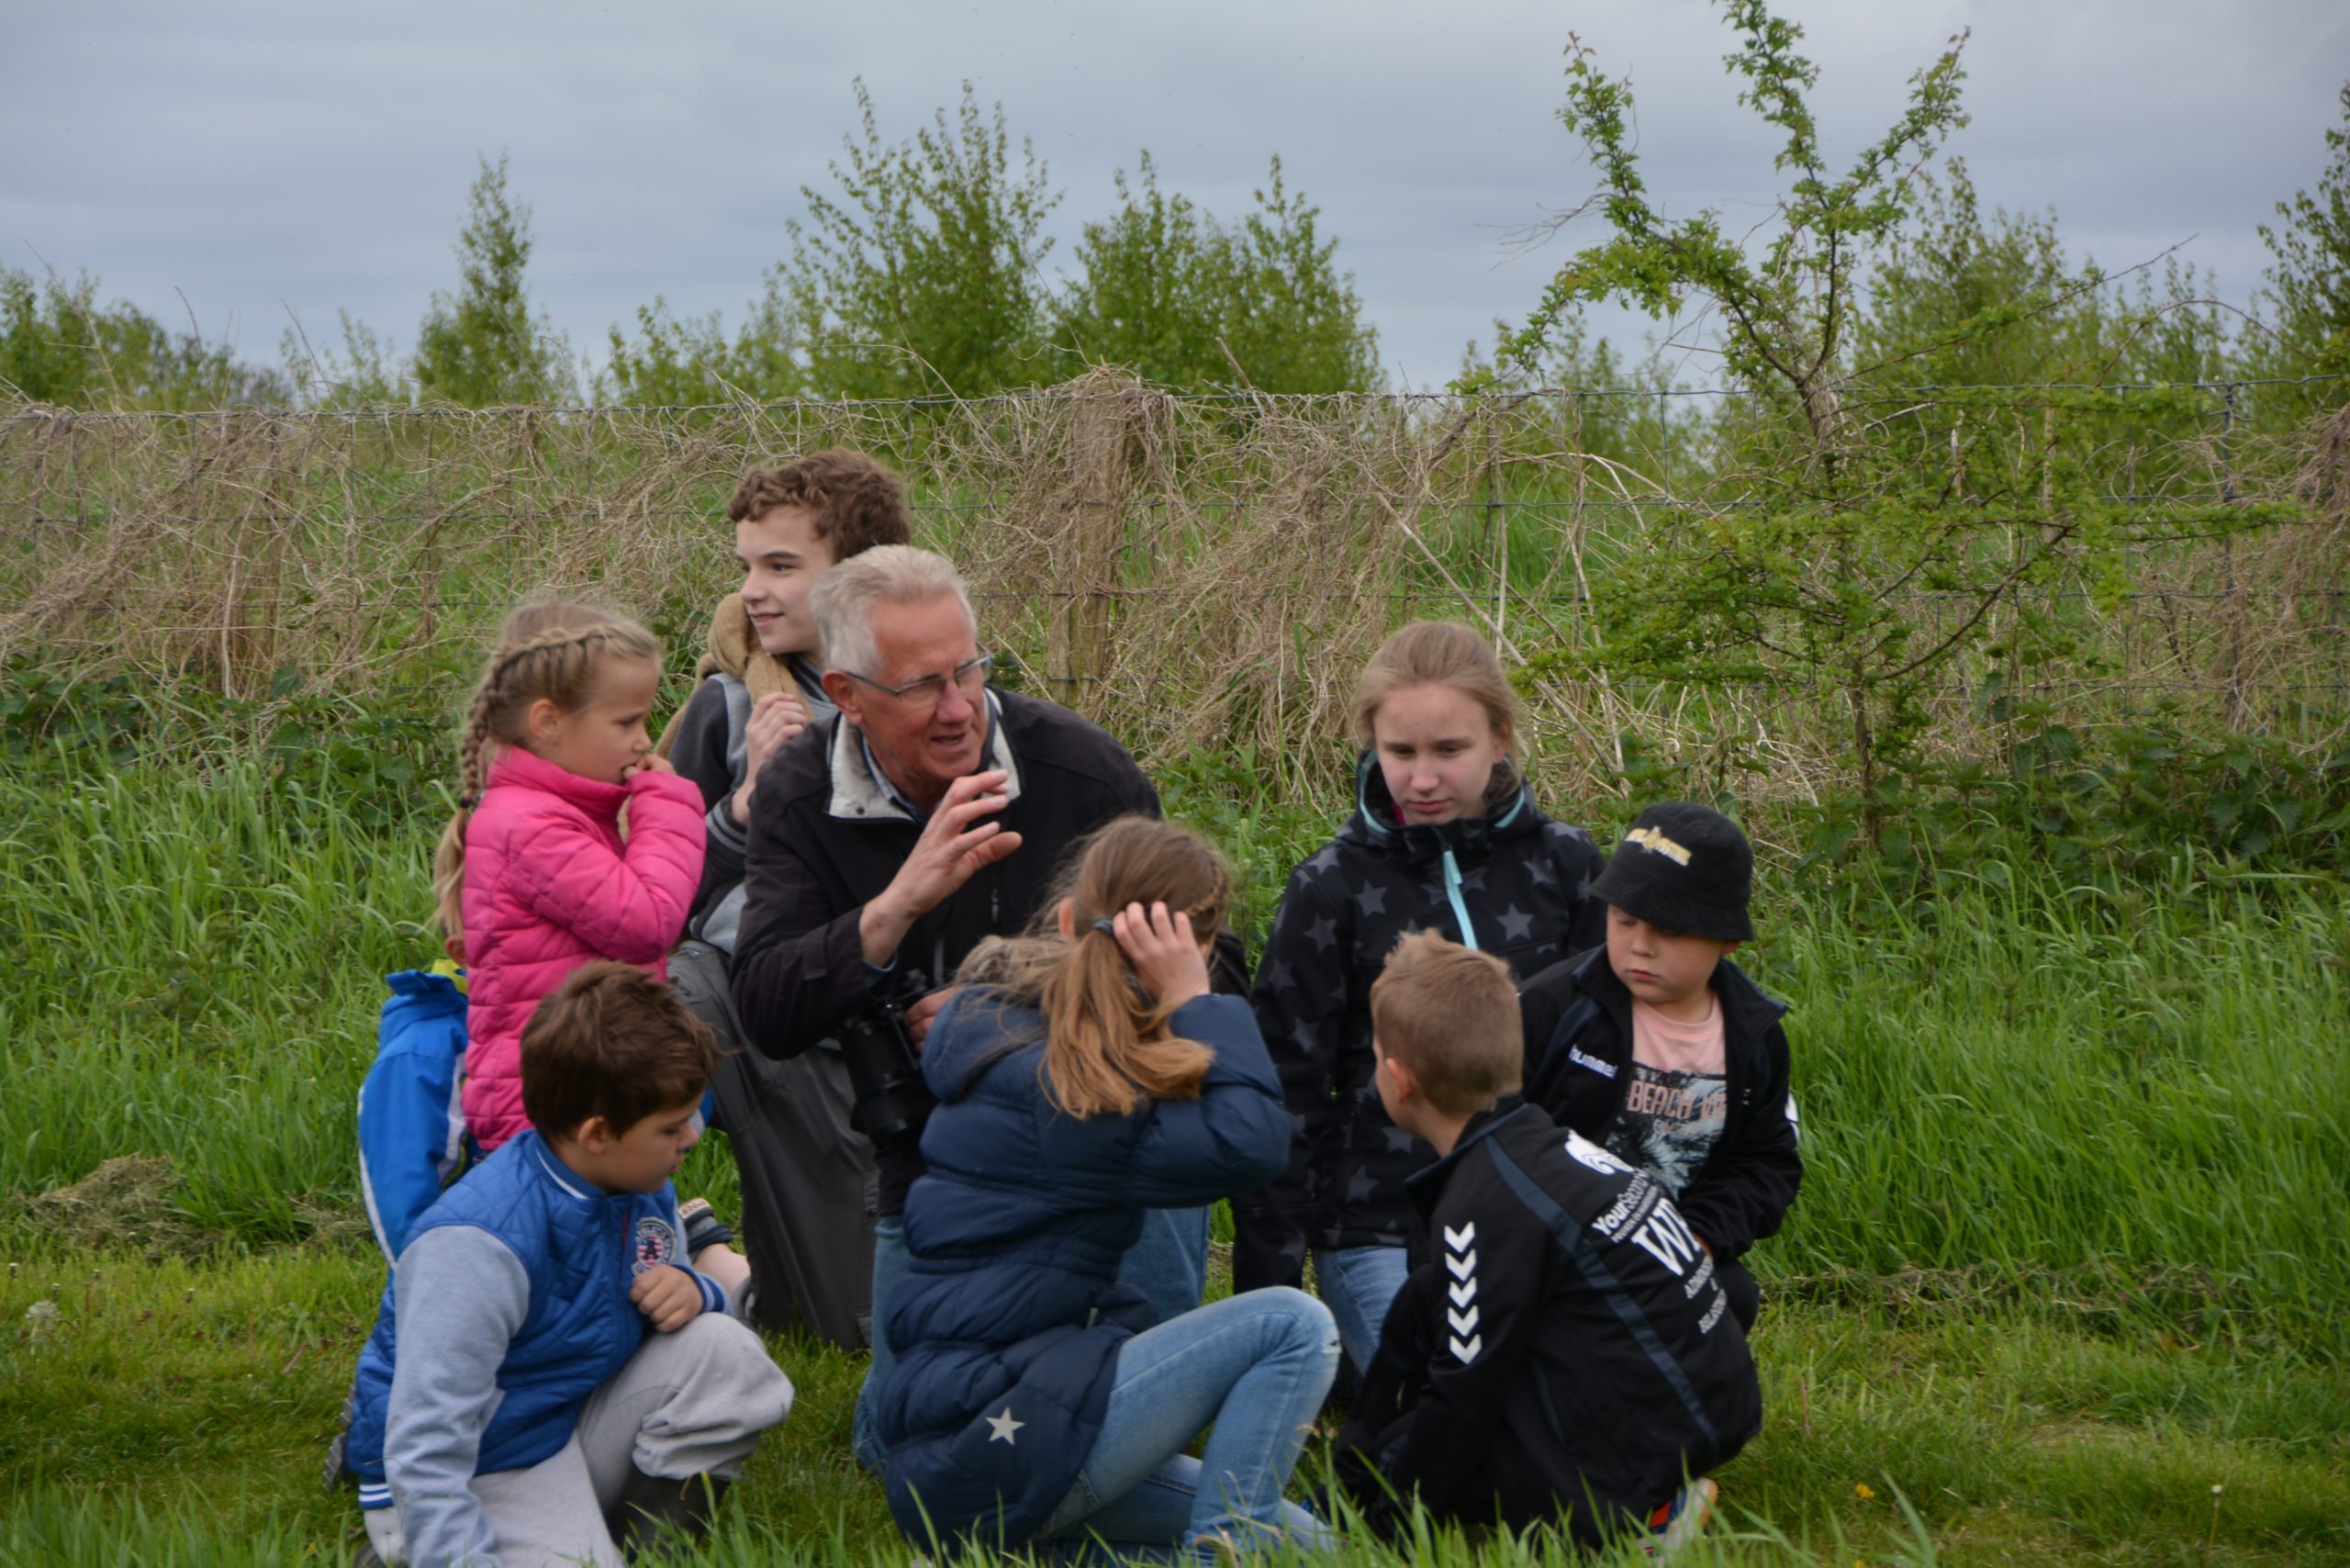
(2069, 1256)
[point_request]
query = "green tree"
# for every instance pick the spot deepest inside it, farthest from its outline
(1582, 396)
(1166, 290)
(681, 360)
(59, 344)
(1960, 300)
(482, 346)
(1849, 550)
(363, 375)
(1785, 313)
(2307, 300)
(920, 276)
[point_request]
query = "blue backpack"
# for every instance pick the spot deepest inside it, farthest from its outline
(411, 1128)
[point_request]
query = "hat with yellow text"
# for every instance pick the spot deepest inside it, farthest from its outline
(1685, 868)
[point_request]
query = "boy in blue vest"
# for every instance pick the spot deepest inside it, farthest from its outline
(548, 1381)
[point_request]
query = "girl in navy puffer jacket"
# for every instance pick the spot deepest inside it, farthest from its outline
(1084, 1075)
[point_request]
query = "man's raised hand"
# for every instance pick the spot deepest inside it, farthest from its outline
(961, 837)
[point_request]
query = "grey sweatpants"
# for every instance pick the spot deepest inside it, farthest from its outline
(691, 1403)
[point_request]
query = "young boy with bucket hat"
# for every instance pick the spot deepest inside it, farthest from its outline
(1658, 1049)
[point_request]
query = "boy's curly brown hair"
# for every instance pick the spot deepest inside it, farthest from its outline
(858, 503)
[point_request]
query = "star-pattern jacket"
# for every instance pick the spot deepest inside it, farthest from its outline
(1561, 1352)
(1512, 883)
(1578, 1021)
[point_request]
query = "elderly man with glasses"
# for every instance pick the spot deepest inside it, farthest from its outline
(887, 843)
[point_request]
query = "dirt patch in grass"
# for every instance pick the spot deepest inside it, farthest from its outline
(125, 1203)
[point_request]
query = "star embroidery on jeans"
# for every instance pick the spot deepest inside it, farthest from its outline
(1004, 1426)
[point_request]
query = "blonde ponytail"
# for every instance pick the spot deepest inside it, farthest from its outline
(1106, 1045)
(1107, 1049)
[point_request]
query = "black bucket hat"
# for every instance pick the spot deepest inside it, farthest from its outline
(1683, 867)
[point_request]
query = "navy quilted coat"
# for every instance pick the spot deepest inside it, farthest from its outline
(1008, 1324)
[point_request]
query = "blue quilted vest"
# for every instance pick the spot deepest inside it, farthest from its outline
(581, 1248)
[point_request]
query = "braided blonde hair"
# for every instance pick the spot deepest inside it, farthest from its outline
(552, 650)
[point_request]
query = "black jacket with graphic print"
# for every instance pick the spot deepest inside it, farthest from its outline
(1578, 1050)
(1561, 1352)
(1518, 880)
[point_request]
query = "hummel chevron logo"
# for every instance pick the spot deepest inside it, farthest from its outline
(1460, 1261)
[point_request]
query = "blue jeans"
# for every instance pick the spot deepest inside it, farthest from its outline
(1255, 1366)
(1169, 1263)
(890, 1259)
(1358, 1284)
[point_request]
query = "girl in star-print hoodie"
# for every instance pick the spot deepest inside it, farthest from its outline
(1445, 837)
(1083, 1074)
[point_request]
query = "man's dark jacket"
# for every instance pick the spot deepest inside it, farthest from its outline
(1512, 883)
(1562, 1351)
(824, 840)
(1578, 1053)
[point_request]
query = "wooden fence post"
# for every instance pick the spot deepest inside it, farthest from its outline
(1104, 411)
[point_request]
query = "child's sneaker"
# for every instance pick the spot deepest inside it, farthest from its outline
(1678, 1523)
(703, 1228)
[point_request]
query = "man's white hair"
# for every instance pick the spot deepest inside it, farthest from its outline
(844, 597)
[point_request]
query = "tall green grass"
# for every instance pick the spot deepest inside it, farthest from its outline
(2126, 1099)
(195, 961)
(2134, 1097)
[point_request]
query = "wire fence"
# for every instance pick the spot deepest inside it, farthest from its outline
(1210, 571)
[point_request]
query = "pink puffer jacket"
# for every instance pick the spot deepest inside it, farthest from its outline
(550, 885)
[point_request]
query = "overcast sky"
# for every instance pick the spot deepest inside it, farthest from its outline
(266, 158)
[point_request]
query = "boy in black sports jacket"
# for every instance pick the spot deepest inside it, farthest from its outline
(1656, 1047)
(1562, 1353)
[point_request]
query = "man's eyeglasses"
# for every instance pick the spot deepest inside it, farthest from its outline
(971, 676)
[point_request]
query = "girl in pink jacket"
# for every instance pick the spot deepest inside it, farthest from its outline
(535, 874)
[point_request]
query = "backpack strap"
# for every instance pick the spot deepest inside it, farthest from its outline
(738, 723)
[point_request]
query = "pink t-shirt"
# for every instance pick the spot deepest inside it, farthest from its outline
(1669, 1046)
(1677, 1101)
